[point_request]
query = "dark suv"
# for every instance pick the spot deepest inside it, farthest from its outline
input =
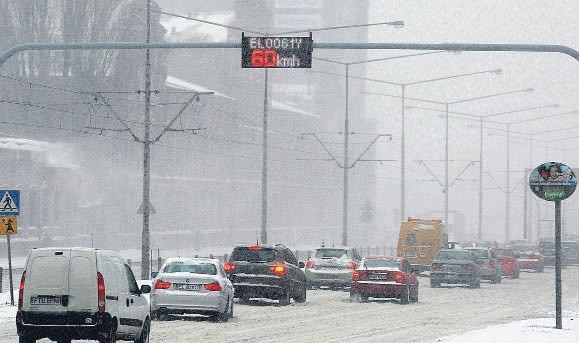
(455, 266)
(266, 271)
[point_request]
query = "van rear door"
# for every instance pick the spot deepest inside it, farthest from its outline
(47, 281)
(82, 281)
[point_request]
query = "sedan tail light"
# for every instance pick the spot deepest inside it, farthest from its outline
(467, 267)
(310, 264)
(229, 267)
(436, 265)
(491, 265)
(278, 269)
(399, 278)
(214, 286)
(352, 265)
(160, 284)
(359, 275)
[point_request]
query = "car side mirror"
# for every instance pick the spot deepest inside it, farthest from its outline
(154, 274)
(301, 265)
(145, 289)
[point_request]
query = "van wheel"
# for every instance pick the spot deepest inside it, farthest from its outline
(355, 297)
(144, 337)
(405, 298)
(25, 339)
(111, 335)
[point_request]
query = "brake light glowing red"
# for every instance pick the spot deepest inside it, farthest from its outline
(101, 292)
(21, 291)
(468, 267)
(491, 266)
(399, 277)
(310, 264)
(278, 269)
(356, 276)
(352, 265)
(255, 247)
(435, 265)
(229, 267)
(215, 286)
(160, 284)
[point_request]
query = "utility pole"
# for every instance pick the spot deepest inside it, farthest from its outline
(264, 168)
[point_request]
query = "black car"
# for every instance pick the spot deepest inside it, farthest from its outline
(266, 271)
(569, 252)
(455, 266)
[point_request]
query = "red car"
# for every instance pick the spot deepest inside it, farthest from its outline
(509, 261)
(384, 277)
(530, 258)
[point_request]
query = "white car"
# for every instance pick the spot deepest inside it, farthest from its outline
(192, 286)
(81, 293)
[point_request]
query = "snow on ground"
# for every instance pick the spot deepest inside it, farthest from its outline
(7, 311)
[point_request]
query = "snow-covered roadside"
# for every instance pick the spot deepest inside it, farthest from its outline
(7, 311)
(529, 331)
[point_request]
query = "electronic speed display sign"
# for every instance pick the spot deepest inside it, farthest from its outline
(276, 52)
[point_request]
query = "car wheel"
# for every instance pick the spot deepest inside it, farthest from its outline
(144, 336)
(285, 298)
(434, 284)
(363, 298)
(405, 298)
(302, 296)
(472, 284)
(231, 309)
(516, 274)
(110, 336)
(355, 297)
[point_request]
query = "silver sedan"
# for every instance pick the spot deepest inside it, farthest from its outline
(192, 286)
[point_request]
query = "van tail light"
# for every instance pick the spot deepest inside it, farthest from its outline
(229, 267)
(160, 284)
(215, 286)
(435, 265)
(101, 292)
(310, 264)
(352, 265)
(399, 278)
(21, 291)
(278, 269)
(467, 267)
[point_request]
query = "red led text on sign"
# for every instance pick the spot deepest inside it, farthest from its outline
(276, 52)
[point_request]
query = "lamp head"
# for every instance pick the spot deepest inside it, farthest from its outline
(497, 71)
(530, 90)
(399, 24)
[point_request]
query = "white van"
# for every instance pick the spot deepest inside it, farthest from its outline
(81, 293)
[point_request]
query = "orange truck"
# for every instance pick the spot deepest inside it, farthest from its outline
(420, 240)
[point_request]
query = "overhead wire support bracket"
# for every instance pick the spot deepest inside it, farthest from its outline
(121, 120)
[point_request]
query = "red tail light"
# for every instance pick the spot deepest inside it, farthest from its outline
(278, 269)
(491, 265)
(229, 267)
(536, 256)
(310, 264)
(160, 284)
(255, 247)
(21, 291)
(397, 252)
(215, 286)
(356, 275)
(435, 265)
(101, 292)
(467, 267)
(352, 265)
(399, 277)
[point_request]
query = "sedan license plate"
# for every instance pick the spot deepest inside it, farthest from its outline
(45, 300)
(449, 276)
(383, 276)
(185, 287)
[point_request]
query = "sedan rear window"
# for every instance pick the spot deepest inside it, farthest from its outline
(247, 255)
(453, 255)
(381, 263)
(201, 268)
(331, 253)
(479, 253)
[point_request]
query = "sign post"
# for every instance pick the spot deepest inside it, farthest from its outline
(9, 209)
(554, 181)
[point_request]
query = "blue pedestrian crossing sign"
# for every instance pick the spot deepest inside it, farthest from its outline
(9, 202)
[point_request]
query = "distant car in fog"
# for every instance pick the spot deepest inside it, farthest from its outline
(455, 266)
(490, 266)
(529, 257)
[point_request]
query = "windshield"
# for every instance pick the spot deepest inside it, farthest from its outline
(453, 255)
(331, 253)
(381, 263)
(249, 255)
(504, 252)
(480, 253)
(195, 268)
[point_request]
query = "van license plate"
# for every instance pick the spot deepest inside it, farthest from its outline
(185, 287)
(45, 300)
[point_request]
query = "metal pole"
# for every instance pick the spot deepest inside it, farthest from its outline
(346, 167)
(558, 290)
(480, 185)
(525, 209)
(147, 156)
(10, 271)
(264, 168)
(402, 160)
(446, 169)
(508, 188)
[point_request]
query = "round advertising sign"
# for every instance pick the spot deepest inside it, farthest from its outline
(553, 181)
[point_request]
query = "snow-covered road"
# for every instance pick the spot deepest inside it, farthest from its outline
(328, 316)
